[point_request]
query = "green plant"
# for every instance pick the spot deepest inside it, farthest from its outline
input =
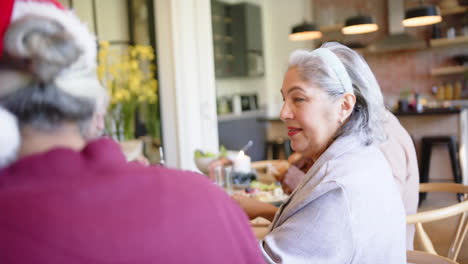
(129, 78)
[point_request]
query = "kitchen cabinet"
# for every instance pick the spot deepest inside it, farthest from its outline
(442, 122)
(237, 39)
(247, 40)
(222, 38)
(445, 43)
(451, 21)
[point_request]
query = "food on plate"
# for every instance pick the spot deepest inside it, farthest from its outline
(269, 193)
(203, 154)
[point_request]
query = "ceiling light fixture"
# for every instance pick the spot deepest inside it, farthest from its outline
(305, 31)
(422, 16)
(359, 24)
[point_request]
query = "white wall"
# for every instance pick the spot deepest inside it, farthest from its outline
(85, 10)
(278, 18)
(112, 19)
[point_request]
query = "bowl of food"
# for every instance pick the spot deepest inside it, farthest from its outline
(203, 159)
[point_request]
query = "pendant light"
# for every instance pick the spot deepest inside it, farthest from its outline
(422, 15)
(305, 30)
(359, 24)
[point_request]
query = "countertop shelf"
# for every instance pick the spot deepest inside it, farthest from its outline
(246, 114)
(454, 11)
(431, 111)
(449, 70)
(449, 41)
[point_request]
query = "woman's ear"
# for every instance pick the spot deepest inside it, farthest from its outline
(347, 106)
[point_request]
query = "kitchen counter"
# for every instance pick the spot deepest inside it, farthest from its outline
(449, 121)
(235, 130)
(430, 111)
(243, 115)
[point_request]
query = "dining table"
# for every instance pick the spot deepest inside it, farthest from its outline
(260, 227)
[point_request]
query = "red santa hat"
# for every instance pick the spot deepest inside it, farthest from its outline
(6, 13)
(79, 79)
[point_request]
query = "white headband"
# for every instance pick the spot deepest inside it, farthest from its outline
(337, 66)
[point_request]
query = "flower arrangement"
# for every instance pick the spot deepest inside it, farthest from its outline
(129, 78)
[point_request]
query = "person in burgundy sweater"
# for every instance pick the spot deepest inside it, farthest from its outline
(66, 200)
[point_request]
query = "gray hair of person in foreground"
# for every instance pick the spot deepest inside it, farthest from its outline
(369, 114)
(36, 51)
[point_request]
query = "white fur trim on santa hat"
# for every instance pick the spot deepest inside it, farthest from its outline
(80, 78)
(9, 138)
(85, 40)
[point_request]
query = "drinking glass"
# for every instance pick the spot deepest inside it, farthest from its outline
(223, 178)
(228, 180)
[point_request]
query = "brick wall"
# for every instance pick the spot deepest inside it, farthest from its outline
(395, 71)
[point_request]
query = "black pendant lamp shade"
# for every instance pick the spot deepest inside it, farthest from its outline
(359, 24)
(305, 31)
(422, 16)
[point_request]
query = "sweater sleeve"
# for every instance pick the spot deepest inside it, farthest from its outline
(320, 232)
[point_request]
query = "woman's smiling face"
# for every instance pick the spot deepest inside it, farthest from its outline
(311, 116)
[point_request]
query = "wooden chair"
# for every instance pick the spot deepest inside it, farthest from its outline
(420, 257)
(442, 213)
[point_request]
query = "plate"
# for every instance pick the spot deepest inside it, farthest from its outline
(268, 197)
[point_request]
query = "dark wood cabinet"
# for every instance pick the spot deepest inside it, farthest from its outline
(222, 38)
(237, 39)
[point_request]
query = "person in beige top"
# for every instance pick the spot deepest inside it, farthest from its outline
(401, 155)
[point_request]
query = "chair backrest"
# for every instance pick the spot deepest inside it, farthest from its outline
(442, 213)
(420, 257)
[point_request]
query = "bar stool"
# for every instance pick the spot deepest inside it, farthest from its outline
(276, 147)
(426, 149)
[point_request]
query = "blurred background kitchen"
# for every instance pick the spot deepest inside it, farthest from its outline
(220, 65)
(213, 72)
(422, 70)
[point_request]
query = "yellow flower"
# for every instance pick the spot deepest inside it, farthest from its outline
(104, 44)
(129, 77)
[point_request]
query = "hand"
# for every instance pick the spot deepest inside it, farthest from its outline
(278, 169)
(291, 179)
(302, 162)
(255, 208)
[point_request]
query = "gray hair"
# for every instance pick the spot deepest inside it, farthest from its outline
(36, 50)
(369, 113)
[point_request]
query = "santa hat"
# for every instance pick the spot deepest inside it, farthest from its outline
(9, 138)
(79, 79)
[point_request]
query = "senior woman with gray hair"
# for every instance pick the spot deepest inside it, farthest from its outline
(347, 208)
(66, 200)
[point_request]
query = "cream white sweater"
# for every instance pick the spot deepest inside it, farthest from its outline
(347, 209)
